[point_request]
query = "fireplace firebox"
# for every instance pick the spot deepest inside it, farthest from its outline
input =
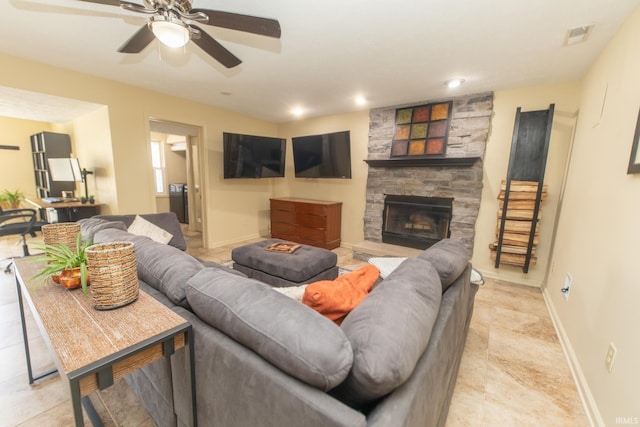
(414, 221)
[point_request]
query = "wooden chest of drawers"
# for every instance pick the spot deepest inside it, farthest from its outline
(310, 222)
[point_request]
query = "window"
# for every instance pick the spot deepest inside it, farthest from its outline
(157, 162)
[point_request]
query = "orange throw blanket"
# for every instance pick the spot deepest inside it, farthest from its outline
(336, 298)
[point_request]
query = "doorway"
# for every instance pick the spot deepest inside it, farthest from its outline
(177, 171)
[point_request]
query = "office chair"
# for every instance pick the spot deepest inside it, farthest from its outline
(19, 222)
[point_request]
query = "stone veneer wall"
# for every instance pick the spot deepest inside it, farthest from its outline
(468, 134)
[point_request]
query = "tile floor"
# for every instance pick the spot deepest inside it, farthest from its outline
(513, 371)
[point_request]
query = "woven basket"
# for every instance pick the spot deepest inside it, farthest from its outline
(114, 277)
(61, 232)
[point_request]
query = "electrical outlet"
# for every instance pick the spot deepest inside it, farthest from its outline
(611, 355)
(568, 281)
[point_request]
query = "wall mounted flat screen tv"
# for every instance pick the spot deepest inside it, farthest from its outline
(249, 156)
(322, 156)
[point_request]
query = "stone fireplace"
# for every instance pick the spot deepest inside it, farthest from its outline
(455, 177)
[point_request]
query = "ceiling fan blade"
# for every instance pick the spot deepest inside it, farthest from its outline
(138, 41)
(249, 24)
(215, 49)
(134, 7)
(107, 2)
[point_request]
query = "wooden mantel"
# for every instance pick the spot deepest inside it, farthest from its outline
(408, 162)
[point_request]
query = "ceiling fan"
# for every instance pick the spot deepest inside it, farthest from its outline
(172, 22)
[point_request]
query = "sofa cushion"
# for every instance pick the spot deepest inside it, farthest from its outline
(163, 267)
(289, 335)
(90, 226)
(389, 331)
(219, 266)
(449, 257)
(166, 220)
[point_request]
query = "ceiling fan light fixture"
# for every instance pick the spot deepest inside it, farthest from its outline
(170, 31)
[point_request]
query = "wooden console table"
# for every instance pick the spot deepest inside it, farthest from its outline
(92, 349)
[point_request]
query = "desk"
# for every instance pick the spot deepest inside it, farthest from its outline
(66, 211)
(92, 349)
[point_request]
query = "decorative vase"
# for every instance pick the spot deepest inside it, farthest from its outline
(70, 278)
(114, 275)
(61, 232)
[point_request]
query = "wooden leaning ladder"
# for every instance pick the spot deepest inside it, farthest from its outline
(527, 162)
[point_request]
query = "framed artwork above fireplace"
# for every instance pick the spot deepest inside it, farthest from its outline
(421, 130)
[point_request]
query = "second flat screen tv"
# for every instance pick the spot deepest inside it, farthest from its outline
(322, 156)
(249, 156)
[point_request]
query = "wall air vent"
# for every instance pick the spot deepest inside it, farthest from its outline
(577, 34)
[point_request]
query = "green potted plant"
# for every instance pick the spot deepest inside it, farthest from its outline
(11, 199)
(64, 265)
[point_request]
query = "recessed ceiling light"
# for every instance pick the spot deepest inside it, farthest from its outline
(361, 100)
(577, 34)
(298, 111)
(453, 83)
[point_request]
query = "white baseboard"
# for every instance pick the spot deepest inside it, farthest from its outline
(238, 240)
(588, 402)
(517, 277)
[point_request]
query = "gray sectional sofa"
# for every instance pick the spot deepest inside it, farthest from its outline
(264, 359)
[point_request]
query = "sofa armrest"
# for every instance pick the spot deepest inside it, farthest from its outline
(424, 399)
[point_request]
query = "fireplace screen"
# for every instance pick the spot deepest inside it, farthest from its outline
(416, 222)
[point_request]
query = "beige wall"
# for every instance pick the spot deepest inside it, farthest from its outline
(565, 97)
(176, 165)
(230, 208)
(91, 141)
(597, 239)
(16, 166)
(351, 192)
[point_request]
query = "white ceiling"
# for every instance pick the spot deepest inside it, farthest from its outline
(24, 104)
(390, 52)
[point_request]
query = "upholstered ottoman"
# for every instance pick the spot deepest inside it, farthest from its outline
(306, 265)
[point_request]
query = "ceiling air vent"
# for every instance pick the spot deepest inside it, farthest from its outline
(577, 34)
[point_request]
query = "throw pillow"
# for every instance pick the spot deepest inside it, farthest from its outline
(449, 257)
(142, 227)
(166, 220)
(386, 265)
(334, 299)
(297, 340)
(389, 331)
(293, 292)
